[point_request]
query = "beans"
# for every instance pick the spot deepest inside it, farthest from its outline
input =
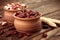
(27, 14)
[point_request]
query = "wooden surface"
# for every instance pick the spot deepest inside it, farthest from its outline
(48, 8)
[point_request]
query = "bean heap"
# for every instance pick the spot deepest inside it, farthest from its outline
(27, 14)
(15, 6)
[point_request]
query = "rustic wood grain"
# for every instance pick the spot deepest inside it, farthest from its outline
(48, 8)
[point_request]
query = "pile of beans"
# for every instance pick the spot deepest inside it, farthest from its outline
(15, 6)
(27, 14)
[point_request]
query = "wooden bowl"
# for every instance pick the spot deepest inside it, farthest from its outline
(8, 15)
(27, 24)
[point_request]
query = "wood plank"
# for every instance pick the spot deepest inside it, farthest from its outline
(38, 35)
(55, 38)
(45, 7)
(55, 15)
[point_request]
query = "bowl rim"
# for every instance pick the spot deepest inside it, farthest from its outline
(26, 18)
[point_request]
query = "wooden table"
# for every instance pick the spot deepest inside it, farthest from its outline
(48, 8)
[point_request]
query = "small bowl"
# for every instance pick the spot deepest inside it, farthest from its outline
(8, 15)
(27, 24)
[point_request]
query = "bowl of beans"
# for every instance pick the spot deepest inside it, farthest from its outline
(27, 21)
